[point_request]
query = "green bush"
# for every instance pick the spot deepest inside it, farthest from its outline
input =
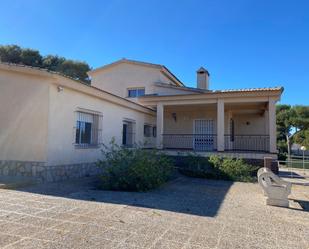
(196, 166)
(234, 169)
(218, 168)
(133, 169)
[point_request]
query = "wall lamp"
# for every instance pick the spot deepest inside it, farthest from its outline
(59, 88)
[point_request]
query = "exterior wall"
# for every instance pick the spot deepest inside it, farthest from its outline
(62, 119)
(24, 116)
(40, 172)
(185, 116)
(118, 78)
(257, 124)
(171, 91)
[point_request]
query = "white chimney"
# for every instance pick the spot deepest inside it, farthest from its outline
(202, 78)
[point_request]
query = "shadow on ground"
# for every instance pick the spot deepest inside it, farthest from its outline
(184, 195)
(304, 204)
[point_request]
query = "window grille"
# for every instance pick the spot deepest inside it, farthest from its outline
(88, 132)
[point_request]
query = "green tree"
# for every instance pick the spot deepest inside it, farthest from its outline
(31, 57)
(292, 126)
(10, 53)
(52, 62)
(75, 69)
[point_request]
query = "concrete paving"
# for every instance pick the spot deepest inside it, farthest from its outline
(185, 213)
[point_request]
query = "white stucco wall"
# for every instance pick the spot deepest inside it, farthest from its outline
(23, 116)
(116, 79)
(62, 119)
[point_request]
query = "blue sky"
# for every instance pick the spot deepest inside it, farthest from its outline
(242, 43)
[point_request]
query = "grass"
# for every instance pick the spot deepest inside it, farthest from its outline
(296, 163)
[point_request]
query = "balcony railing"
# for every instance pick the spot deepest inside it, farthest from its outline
(206, 142)
(258, 143)
(197, 142)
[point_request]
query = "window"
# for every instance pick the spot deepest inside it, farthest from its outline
(147, 130)
(154, 131)
(87, 132)
(128, 134)
(232, 132)
(136, 92)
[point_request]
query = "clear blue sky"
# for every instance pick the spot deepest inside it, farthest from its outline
(242, 43)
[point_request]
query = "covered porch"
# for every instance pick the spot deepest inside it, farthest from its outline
(195, 127)
(230, 124)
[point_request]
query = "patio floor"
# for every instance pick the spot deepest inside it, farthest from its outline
(185, 213)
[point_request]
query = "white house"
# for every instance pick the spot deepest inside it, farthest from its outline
(52, 127)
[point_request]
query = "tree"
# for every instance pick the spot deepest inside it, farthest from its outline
(52, 62)
(30, 57)
(10, 53)
(292, 126)
(76, 69)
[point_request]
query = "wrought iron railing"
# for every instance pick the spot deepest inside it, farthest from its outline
(198, 142)
(208, 142)
(258, 143)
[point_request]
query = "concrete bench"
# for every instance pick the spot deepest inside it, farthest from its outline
(275, 189)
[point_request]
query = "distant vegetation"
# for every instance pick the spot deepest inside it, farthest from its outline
(292, 127)
(30, 57)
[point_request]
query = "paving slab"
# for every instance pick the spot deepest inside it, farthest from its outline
(186, 213)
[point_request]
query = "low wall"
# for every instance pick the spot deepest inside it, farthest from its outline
(42, 173)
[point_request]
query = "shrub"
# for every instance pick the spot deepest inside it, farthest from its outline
(218, 168)
(196, 166)
(133, 169)
(233, 169)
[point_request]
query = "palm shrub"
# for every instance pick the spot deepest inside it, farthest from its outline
(133, 169)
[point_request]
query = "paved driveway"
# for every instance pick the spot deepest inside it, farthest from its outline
(186, 213)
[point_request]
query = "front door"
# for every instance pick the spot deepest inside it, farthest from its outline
(203, 138)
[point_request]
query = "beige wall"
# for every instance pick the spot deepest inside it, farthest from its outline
(63, 105)
(172, 91)
(118, 78)
(23, 116)
(186, 115)
(256, 124)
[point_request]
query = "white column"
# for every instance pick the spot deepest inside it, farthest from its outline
(272, 126)
(160, 120)
(220, 125)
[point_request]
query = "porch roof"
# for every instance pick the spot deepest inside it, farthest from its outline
(229, 96)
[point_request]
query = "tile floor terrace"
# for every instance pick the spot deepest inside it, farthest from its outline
(186, 213)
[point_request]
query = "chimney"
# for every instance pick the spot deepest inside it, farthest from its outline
(202, 78)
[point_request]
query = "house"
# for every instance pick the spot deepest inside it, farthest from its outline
(52, 127)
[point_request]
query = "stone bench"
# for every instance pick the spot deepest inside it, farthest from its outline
(275, 189)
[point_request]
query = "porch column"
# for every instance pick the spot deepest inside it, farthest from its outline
(272, 126)
(160, 120)
(220, 125)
